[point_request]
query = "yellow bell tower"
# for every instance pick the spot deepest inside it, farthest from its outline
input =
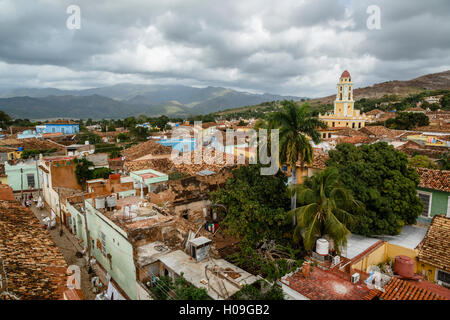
(344, 114)
(343, 105)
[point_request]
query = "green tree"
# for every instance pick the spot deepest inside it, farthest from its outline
(123, 137)
(325, 210)
(421, 161)
(82, 170)
(185, 291)
(444, 161)
(379, 176)
(89, 136)
(140, 133)
(256, 204)
(295, 123)
(5, 119)
(408, 121)
(162, 288)
(260, 290)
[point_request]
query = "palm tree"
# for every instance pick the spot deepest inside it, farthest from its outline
(295, 123)
(325, 210)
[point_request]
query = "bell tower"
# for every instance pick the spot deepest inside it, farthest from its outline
(343, 105)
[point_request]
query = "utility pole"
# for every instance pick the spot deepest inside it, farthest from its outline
(37, 175)
(21, 184)
(60, 214)
(88, 240)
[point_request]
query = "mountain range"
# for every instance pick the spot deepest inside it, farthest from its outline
(123, 100)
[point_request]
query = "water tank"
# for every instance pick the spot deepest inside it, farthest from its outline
(322, 246)
(111, 201)
(404, 266)
(100, 203)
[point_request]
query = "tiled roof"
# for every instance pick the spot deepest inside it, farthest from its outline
(319, 159)
(374, 112)
(435, 248)
(145, 148)
(398, 289)
(378, 131)
(345, 74)
(415, 109)
(325, 285)
(6, 192)
(434, 179)
(354, 139)
(348, 132)
(33, 263)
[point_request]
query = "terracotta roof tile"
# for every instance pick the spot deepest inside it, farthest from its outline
(325, 285)
(145, 148)
(33, 263)
(434, 179)
(435, 247)
(398, 289)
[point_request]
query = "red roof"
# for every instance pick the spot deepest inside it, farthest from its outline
(345, 74)
(398, 289)
(434, 179)
(325, 285)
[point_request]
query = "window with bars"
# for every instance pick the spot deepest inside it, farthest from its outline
(103, 239)
(426, 200)
(443, 277)
(30, 181)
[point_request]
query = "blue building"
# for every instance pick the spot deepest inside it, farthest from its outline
(62, 126)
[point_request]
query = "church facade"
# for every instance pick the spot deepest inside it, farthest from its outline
(344, 115)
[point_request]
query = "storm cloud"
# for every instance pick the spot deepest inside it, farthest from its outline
(284, 47)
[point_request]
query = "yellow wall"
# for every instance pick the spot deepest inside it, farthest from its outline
(426, 270)
(383, 253)
(14, 155)
(4, 180)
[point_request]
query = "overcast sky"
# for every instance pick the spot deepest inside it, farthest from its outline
(278, 46)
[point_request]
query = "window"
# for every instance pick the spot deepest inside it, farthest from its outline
(185, 214)
(448, 207)
(333, 124)
(359, 125)
(340, 96)
(53, 129)
(103, 237)
(324, 135)
(30, 180)
(74, 226)
(353, 125)
(329, 135)
(426, 200)
(443, 278)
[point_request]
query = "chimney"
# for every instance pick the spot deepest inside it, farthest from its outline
(306, 269)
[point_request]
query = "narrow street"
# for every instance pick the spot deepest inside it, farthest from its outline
(69, 248)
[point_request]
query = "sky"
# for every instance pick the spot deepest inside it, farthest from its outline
(283, 47)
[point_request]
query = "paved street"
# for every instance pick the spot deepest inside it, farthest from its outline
(68, 247)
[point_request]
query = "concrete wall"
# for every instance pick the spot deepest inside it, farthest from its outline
(64, 128)
(15, 176)
(121, 266)
(382, 254)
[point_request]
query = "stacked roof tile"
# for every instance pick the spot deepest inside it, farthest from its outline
(434, 179)
(398, 289)
(435, 247)
(34, 266)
